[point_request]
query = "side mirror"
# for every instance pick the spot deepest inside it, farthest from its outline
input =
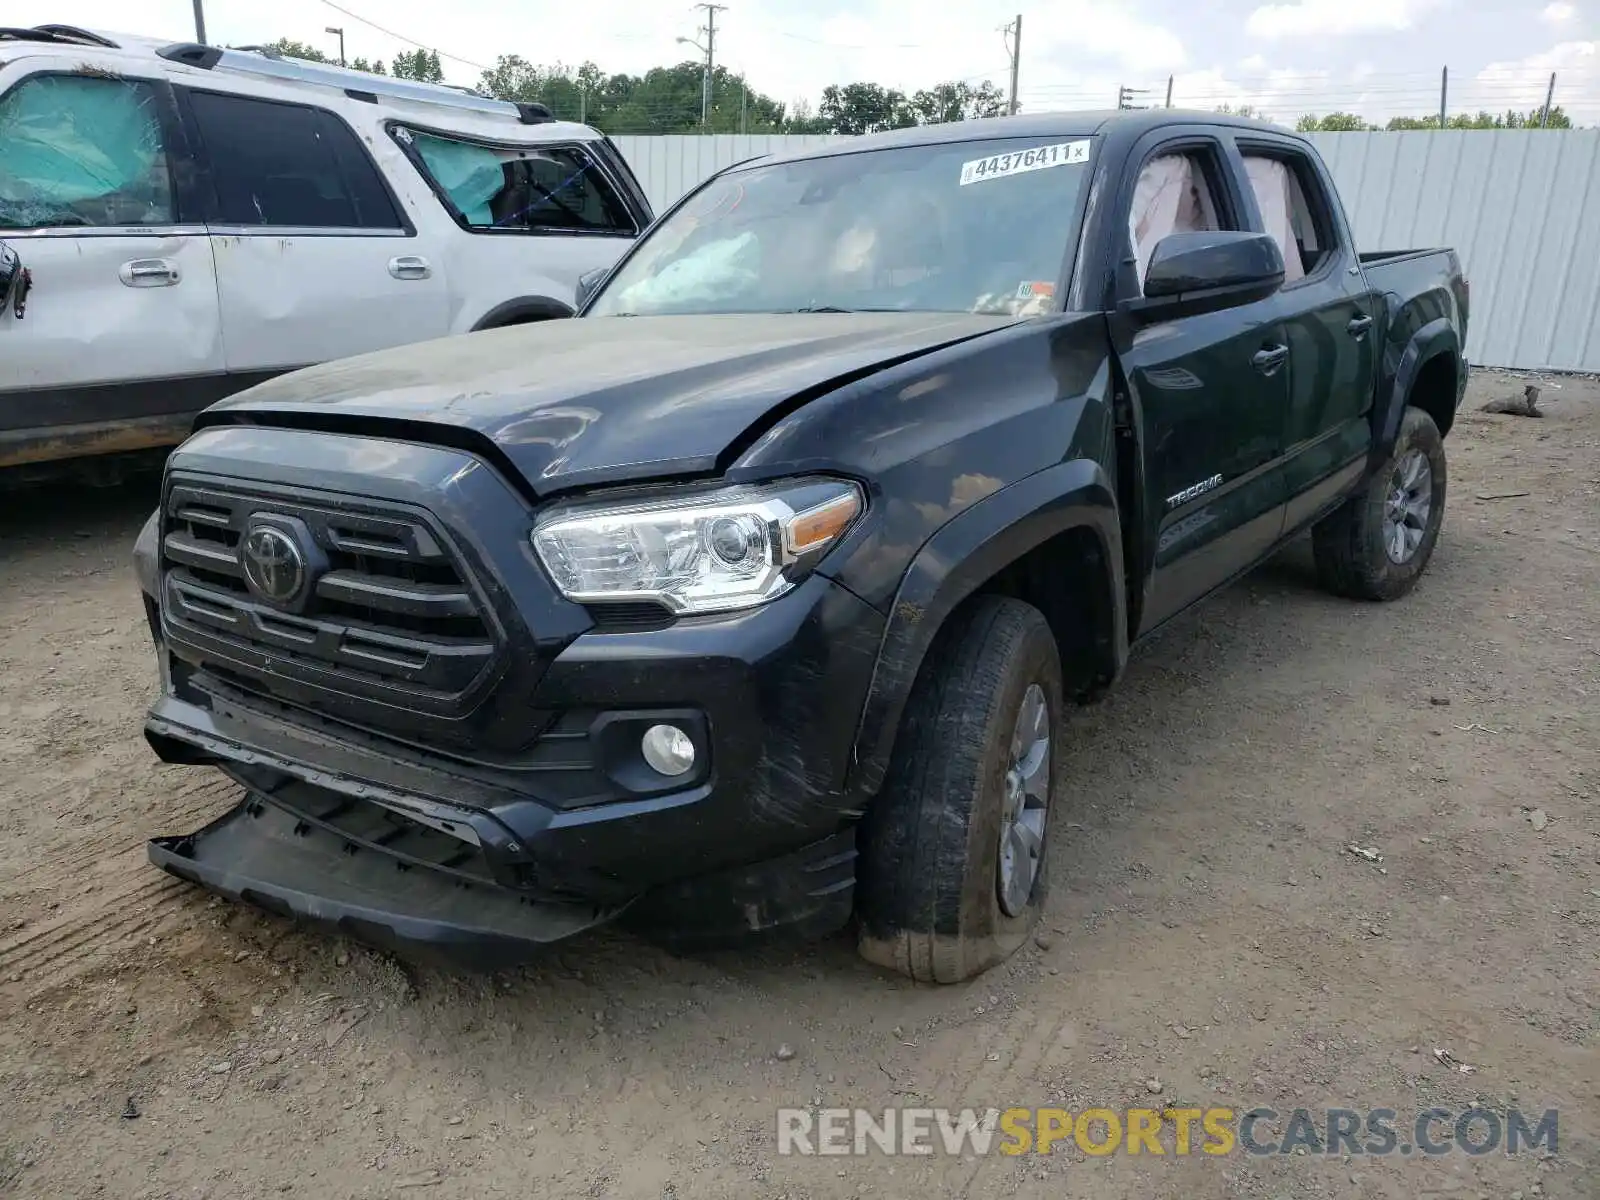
(587, 283)
(1192, 273)
(10, 275)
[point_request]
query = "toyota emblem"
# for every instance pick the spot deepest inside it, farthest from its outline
(274, 565)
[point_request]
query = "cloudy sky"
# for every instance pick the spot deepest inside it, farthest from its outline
(1287, 57)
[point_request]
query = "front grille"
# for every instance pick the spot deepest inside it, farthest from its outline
(389, 613)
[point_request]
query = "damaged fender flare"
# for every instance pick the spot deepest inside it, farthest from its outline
(960, 558)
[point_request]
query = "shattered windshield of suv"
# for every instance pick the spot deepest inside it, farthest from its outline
(962, 227)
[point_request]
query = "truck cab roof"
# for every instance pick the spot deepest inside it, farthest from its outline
(1130, 124)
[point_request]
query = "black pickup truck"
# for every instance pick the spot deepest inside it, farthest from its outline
(751, 599)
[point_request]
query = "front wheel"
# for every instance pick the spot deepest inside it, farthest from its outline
(1376, 545)
(952, 873)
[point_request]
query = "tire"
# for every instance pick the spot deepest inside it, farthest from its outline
(1352, 545)
(929, 888)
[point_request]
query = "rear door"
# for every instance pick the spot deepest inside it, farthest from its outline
(1331, 318)
(315, 256)
(120, 341)
(1211, 388)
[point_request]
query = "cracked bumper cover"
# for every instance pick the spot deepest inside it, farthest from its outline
(764, 841)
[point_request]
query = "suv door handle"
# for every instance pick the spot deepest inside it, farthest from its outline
(1358, 326)
(410, 266)
(149, 272)
(1269, 360)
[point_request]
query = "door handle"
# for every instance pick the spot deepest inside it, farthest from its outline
(1358, 326)
(149, 272)
(409, 266)
(1269, 360)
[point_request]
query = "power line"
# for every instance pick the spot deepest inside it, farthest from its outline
(400, 37)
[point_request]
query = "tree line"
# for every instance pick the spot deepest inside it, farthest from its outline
(671, 100)
(1343, 122)
(410, 64)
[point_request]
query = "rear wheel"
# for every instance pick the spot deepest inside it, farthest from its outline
(1377, 544)
(953, 851)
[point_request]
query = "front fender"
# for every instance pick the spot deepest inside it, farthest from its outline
(959, 559)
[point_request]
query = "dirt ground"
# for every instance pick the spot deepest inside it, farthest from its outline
(1211, 938)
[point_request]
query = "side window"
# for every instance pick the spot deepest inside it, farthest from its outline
(526, 189)
(1294, 210)
(1173, 194)
(83, 150)
(288, 165)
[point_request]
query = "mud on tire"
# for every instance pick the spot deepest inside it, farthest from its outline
(929, 897)
(1357, 549)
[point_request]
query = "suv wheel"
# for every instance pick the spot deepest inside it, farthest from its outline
(1377, 544)
(953, 850)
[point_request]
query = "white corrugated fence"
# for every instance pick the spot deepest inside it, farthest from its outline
(1520, 207)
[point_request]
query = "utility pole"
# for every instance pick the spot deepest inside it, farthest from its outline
(1549, 97)
(1444, 93)
(710, 31)
(200, 21)
(710, 51)
(1169, 91)
(1013, 35)
(340, 32)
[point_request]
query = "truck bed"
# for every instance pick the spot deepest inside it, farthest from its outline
(1419, 285)
(1373, 258)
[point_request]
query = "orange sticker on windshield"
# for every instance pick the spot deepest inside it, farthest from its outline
(1036, 290)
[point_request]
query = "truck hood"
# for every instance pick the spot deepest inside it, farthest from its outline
(601, 400)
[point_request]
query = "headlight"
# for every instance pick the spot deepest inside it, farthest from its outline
(710, 551)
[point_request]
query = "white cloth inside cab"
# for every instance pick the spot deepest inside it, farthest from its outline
(1170, 196)
(1275, 187)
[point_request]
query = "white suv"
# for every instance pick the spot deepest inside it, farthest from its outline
(184, 221)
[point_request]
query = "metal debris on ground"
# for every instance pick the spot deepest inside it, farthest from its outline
(1369, 853)
(1455, 1064)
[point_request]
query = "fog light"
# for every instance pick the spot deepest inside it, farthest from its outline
(667, 749)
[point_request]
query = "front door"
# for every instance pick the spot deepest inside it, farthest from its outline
(118, 344)
(1212, 390)
(315, 259)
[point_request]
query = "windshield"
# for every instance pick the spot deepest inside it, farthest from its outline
(965, 227)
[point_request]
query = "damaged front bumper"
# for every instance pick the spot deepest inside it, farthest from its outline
(415, 902)
(441, 861)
